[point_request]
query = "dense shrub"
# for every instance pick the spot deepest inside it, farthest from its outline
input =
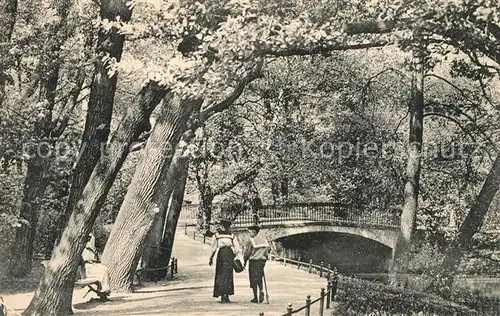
(427, 257)
(357, 297)
(475, 300)
(7, 233)
(46, 234)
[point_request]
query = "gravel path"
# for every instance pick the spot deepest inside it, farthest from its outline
(190, 293)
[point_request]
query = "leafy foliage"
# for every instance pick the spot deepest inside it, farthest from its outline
(200, 48)
(358, 297)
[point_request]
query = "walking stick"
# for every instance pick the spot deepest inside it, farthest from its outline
(265, 286)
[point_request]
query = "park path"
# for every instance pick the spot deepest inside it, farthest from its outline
(190, 293)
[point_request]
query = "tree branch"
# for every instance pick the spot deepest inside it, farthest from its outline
(62, 123)
(238, 90)
(239, 178)
(325, 48)
(452, 119)
(467, 116)
(451, 85)
(356, 28)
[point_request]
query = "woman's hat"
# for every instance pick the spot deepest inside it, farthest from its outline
(225, 221)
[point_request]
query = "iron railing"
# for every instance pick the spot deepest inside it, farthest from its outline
(326, 297)
(333, 213)
(189, 212)
(170, 269)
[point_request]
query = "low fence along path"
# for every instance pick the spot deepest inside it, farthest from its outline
(190, 293)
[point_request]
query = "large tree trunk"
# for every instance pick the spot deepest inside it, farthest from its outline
(470, 226)
(149, 258)
(39, 162)
(35, 184)
(163, 192)
(167, 243)
(159, 245)
(100, 105)
(53, 296)
(408, 216)
(8, 12)
(205, 209)
(156, 249)
(160, 240)
(139, 209)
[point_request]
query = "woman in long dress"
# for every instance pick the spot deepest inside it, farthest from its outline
(226, 247)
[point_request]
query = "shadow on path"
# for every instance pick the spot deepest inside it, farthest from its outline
(190, 293)
(176, 289)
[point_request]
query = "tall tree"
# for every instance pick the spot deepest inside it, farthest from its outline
(54, 293)
(413, 166)
(174, 211)
(160, 239)
(472, 27)
(102, 94)
(470, 226)
(139, 208)
(159, 247)
(44, 134)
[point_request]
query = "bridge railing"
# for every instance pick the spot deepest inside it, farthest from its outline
(189, 212)
(308, 212)
(319, 212)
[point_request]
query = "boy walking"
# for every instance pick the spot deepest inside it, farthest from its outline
(256, 253)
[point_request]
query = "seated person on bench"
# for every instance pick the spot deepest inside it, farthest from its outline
(90, 267)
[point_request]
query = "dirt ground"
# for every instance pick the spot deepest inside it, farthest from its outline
(190, 293)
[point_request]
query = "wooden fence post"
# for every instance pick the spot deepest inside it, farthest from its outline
(176, 266)
(329, 273)
(298, 265)
(194, 234)
(310, 265)
(328, 290)
(308, 305)
(322, 302)
(284, 261)
(289, 309)
(172, 264)
(185, 229)
(334, 284)
(204, 238)
(321, 269)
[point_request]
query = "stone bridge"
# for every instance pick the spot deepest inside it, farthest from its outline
(355, 235)
(384, 235)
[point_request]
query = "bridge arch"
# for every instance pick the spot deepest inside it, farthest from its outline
(383, 236)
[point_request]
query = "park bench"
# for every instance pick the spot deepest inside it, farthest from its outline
(93, 285)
